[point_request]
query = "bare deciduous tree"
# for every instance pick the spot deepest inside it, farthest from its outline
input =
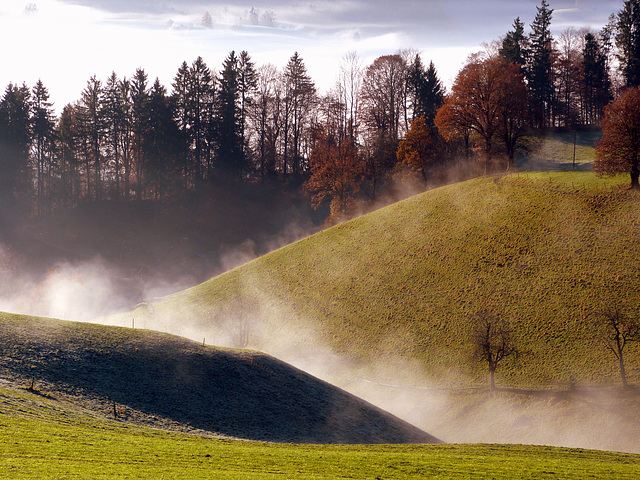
(620, 329)
(493, 341)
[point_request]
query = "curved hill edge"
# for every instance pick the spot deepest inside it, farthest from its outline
(144, 375)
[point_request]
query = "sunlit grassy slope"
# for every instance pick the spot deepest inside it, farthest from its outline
(46, 438)
(544, 250)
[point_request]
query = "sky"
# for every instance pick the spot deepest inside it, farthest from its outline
(65, 42)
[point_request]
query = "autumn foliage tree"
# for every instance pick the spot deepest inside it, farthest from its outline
(619, 149)
(488, 99)
(416, 150)
(336, 173)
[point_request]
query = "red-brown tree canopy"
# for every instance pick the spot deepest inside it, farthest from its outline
(416, 150)
(336, 173)
(619, 149)
(488, 98)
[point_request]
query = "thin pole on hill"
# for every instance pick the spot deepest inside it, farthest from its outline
(575, 138)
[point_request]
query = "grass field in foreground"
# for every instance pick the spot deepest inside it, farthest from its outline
(43, 438)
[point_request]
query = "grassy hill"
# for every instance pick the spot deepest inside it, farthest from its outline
(44, 437)
(48, 438)
(162, 380)
(388, 298)
(545, 251)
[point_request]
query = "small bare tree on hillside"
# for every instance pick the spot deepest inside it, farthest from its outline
(493, 341)
(620, 329)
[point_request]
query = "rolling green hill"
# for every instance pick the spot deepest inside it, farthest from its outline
(47, 438)
(162, 380)
(383, 303)
(544, 251)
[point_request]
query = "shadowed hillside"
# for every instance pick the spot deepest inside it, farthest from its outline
(170, 381)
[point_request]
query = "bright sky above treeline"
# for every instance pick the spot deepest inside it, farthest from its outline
(64, 42)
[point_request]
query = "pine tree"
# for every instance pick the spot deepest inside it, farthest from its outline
(140, 120)
(162, 142)
(596, 82)
(229, 119)
(194, 93)
(514, 45)
(42, 128)
(540, 66)
(425, 91)
(300, 98)
(15, 137)
(114, 110)
(68, 191)
(628, 41)
(91, 119)
(247, 83)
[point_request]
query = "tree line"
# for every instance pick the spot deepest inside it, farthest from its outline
(133, 139)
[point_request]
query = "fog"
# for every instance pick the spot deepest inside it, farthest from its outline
(93, 288)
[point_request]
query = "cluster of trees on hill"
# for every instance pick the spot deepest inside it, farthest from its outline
(129, 138)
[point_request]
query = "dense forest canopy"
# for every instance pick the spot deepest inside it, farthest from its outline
(132, 138)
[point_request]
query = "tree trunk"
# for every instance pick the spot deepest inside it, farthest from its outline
(635, 173)
(623, 372)
(493, 381)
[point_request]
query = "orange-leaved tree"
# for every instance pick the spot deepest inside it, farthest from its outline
(619, 149)
(489, 99)
(416, 150)
(336, 173)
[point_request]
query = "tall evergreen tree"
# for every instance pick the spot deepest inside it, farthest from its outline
(596, 81)
(140, 120)
(91, 119)
(230, 155)
(540, 66)
(425, 91)
(300, 98)
(628, 41)
(514, 44)
(42, 128)
(247, 83)
(194, 94)
(163, 146)
(15, 137)
(115, 109)
(68, 191)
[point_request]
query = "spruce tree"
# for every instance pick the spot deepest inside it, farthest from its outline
(540, 66)
(140, 120)
(596, 82)
(230, 155)
(628, 41)
(15, 138)
(300, 97)
(247, 83)
(514, 44)
(42, 128)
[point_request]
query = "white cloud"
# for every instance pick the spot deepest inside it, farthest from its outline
(66, 42)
